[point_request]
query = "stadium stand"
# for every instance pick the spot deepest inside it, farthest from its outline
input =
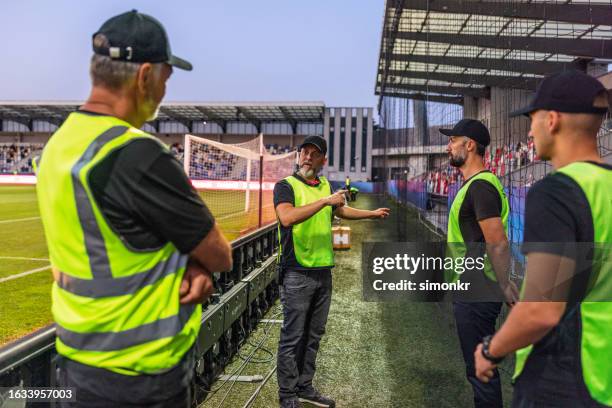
(215, 165)
(17, 157)
(500, 161)
(276, 149)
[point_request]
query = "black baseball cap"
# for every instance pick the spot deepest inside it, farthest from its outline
(472, 128)
(317, 141)
(569, 91)
(137, 37)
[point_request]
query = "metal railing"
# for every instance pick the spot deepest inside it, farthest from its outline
(252, 285)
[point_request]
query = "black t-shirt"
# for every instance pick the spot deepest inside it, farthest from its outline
(481, 201)
(147, 199)
(557, 211)
(283, 193)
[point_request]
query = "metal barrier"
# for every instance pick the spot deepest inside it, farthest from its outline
(243, 296)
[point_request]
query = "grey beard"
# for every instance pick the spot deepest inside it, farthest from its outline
(308, 174)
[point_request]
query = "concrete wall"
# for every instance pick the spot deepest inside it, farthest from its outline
(501, 127)
(415, 163)
(494, 112)
(419, 109)
(470, 107)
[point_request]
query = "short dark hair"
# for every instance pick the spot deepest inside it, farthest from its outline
(480, 149)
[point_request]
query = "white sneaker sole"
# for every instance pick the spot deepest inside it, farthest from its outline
(316, 404)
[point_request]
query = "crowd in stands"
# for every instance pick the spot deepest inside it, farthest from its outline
(178, 151)
(17, 157)
(510, 157)
(438, 181)
(209, 163)
(501, 161)
(276, 149)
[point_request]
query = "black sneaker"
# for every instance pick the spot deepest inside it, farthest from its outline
(315, 398)
(290, 403)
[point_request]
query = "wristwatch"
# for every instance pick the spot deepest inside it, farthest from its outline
(486, 342)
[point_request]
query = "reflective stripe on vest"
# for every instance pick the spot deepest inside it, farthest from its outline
(595, 316)
(456, 244)
(105, 287)
(312, 239)
(111, 341)
(94, 243)
(115, 307)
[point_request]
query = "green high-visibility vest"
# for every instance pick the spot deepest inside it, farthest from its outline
(595, 316)
(456, 247)
(115, 308)
(312, 239)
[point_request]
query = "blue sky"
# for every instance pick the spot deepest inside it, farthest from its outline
(267, 50)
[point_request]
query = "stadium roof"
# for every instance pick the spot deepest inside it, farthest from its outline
(441, 50)
(186, 113)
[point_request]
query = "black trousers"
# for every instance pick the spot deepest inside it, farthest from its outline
(475, 321)
(306, 297)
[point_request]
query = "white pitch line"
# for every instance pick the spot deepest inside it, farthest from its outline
(26, 273)
(19, 220)
(21, 258)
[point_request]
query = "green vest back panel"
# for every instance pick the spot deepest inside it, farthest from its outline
(115, 308)
(596, 317)
(312, 239)
(456, 244)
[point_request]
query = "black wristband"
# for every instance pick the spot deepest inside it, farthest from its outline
(486, 342)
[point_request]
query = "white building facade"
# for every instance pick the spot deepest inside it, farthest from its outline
(348, 132)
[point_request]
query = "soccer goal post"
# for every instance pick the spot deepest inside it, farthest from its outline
(236, 180)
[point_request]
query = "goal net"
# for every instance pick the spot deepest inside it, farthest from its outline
(236, 181)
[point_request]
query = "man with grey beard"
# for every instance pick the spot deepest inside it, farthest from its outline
(305, 206)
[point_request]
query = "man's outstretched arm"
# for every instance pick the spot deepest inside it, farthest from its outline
(350, 213)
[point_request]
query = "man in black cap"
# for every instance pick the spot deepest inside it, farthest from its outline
(562, 328)
(477, 223)
(131, 243)
(305, 206)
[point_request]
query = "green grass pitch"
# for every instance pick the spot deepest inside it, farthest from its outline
(25, 301)
(389, 354)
